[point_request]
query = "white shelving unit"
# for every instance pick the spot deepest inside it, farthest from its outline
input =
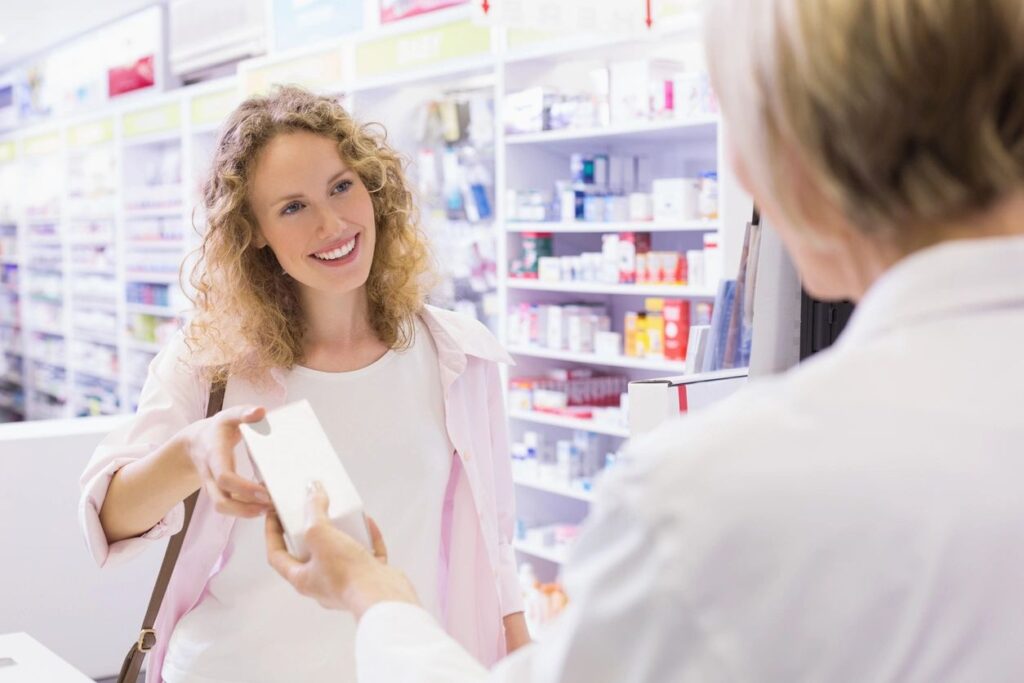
(610, 227)
(552, 420)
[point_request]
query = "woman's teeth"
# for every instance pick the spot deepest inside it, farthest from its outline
(341, 252)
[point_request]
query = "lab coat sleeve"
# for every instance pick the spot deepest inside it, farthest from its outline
(172, 397)
(623, 622)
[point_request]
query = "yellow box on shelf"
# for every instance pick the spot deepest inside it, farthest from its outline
(212, 108)
(41, 145)
(429, 47)
(152, 121)
(91, 133)
(8, 151)
(316, 71)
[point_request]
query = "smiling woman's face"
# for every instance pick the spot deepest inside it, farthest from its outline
(313, 212)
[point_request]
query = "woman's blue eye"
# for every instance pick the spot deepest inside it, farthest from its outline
(291, 208)
(343, 186)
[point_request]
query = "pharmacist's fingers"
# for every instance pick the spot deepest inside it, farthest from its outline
(228, 506)
(380, 551)
(277, 552)
(316, 504)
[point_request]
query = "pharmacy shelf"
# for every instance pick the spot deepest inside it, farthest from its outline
(556, 554)
(98, 374)
(159, 212)
(77, 240)
(144, 346)
(564, 491)
(12, 378)
(154, 278)
(36, 241)
(568, 423)
(10, 261)
(152, 310)
(159, 244)
(661, 132)
(652, 364)
(602, 227)
(95, 337)
(45, 329)
(677, 291)
(104, 272)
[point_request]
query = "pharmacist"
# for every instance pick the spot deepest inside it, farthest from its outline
(860, 518)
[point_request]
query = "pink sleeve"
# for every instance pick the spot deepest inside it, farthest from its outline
(173, 397)
(504, 495)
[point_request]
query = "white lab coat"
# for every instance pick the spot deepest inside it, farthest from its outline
(860, 518)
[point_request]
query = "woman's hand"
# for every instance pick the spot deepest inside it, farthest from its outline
(340, 573)
(210, 444)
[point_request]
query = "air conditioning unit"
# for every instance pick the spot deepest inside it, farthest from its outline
(207, 34)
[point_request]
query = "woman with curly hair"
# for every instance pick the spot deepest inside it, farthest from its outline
(310, 285)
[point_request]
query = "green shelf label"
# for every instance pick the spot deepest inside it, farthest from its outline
(162, 119)
(92, 133)
(421, 48)
(8, 152)
(213, 108)
(522, 37)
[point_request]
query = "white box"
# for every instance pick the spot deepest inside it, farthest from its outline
(24, 660)
(289, 449)
(675, 199)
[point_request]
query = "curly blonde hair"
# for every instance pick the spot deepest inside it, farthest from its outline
(248, 318)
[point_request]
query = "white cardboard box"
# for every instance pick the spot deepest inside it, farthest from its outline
(290, 449)
(23, 659)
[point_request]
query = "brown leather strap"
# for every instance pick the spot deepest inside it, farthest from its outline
(147, 636)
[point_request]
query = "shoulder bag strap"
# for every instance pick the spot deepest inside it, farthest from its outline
(147, 636)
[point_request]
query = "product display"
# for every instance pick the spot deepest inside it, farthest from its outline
(577, 393)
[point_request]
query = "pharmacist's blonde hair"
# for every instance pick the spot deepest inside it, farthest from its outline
(248, 318)
(905, 112)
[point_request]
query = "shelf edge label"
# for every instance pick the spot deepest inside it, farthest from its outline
(421, 48)
(41, 145)
(92, 133)
(316, 71)
(162, 119)
(213, 107)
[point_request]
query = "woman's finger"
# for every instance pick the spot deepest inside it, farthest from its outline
(317, 505)
(227, 506)
(380, 551)
(237, 415)
(241, 489)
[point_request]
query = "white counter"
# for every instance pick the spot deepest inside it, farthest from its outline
(49, 586)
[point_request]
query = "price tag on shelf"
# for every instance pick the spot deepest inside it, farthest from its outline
(92, 133)
(418, 49)
(317, 71)
(162, 119)
(41, 145)
(212, 108)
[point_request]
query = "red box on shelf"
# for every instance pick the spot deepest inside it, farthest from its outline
(676, 314)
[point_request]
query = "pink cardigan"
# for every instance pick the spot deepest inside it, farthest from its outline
(479, 583)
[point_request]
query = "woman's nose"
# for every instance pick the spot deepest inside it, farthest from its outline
(329, 222)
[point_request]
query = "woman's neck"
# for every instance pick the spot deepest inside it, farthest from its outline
(339, 336)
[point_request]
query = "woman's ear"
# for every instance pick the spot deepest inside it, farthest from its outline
(259, 240)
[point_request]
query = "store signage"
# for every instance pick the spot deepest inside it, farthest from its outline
(92, 133)
(318, 71)
(162, 119)
(211, 109)
(135, 76)
(41, 145)
(300, 23)
(8, 152)
(395, 10)
(421, 48)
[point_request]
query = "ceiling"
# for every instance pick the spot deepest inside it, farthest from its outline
(31, 27)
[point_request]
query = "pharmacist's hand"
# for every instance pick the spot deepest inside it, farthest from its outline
(211, 447)
(340, 573)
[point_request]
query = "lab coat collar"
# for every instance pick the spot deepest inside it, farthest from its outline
(953, 279)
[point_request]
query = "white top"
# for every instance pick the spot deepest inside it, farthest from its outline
(386, 422)
(858, 519)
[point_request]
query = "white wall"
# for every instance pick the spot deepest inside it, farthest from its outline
(49, 586)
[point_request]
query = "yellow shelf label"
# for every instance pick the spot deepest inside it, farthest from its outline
(421, 48)
(213, 107)
(315, 71)
(521, 37)
(41, 145)
(92, 133)
(162, 119)
(8, 152)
